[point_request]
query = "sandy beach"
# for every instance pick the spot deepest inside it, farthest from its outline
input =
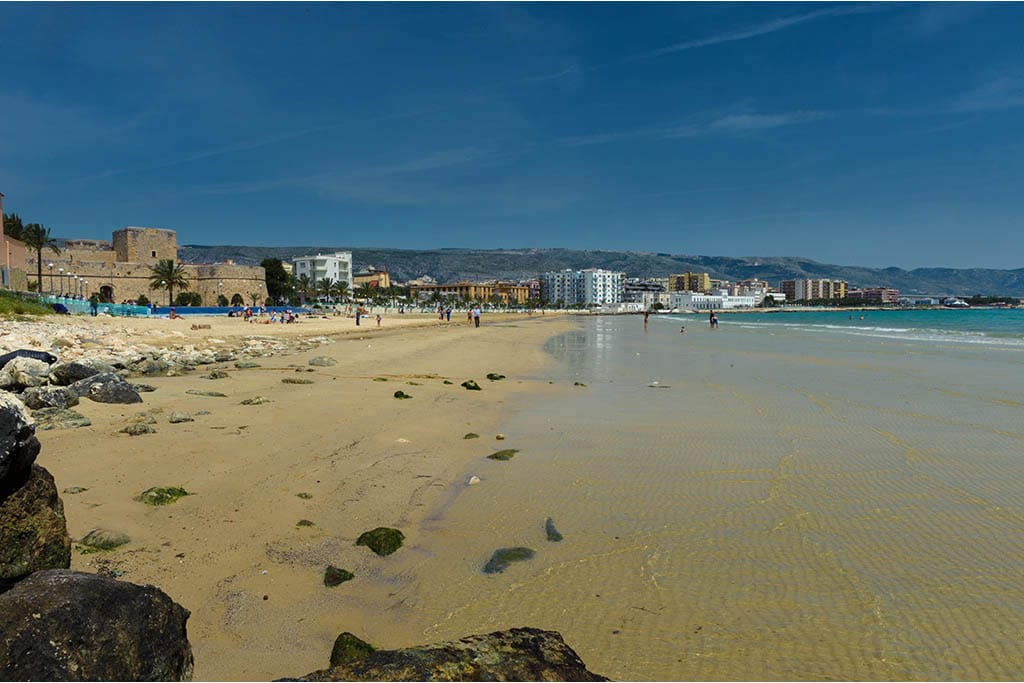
(232, 552)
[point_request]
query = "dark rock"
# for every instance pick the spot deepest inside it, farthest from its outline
(323, 361)
(335, 577)
(549, 528)
(304, 522)
(495, 377)
(256, 401)
(104, 539)
(503, 454)
(18, 444)
(519, 654)
(161, 495)
(151, 366)
(199, 392)
(401, 394)
(113, 392)
(448, 381)
(70, 372)
(348, 648)
(471, 435)
(61, 625)
(503, 557)
(224, 356)
(216, 374)
(143, 388)
(82, 386)
(50, 397)
(59, 418)
(382, 540)
(296, 380)
(471, 385)
(246, 365)
(72, 490)
(33, 531)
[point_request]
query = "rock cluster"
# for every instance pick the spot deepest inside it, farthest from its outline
(62, 625)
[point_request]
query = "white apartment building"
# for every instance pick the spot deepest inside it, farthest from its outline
(589, 287)
(694, 301)
(336, 266)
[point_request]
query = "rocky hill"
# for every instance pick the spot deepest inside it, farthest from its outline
(448, 265)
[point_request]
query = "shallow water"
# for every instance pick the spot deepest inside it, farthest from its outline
(783, 504)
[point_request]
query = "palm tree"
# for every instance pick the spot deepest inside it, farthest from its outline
(237, 300)
(36, 237)
(303, 284)
(327, 286)
(166, 275)
(364, 291)
(341, 289)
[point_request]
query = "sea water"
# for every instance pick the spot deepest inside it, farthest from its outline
(789, 496)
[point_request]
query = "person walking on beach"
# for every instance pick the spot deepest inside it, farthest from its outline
(476, 316)
(378, 320)
(647, 315)
(448, 312)
(358, 313)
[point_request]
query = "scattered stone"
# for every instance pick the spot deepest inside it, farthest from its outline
(21, 372)
(448, 381)
(199, 392)
(197, 326)
(67, 373)
(549, 528)
(323, 361)
(503, 557)
(471, 385)
(216, 374)
(578, 384)
(659, 385)
(503, 454)
(112, 389)
(72, 490)
(246, 365)
(348, 648)
(499, 437)
(59, 418)
(62, 625)
(380, 379)
(401, 394)
(144, 418)
(519, 654)
(177, 417)
(151, 366)
(296, 380)
(18, 443)
(304, 495)
(164, 495)
(334, 576)
(382, 540)
(494, 377)
(471, 435)
(473, 481)
(138, 429)
(256, 401)
(49, 397)
(304, 522)
(414, 384)
(143, 388)
(104, 539)
(202, 412)
(33, 531)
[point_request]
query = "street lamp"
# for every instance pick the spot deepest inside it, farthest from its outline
(50, 266)
(61, 281)
(76, 289)
(163, 284)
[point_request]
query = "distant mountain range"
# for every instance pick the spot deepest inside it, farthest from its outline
(450, 265)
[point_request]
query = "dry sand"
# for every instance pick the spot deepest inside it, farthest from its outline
(231, 552)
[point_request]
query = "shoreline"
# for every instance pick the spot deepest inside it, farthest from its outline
(361, 458)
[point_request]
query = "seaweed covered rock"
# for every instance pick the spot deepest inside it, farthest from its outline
(106, 388)
(503, 454)
(50, 397)
(518, 654)
(161, 495)
(70, 372)
(552, 532)
(18, 443)
(382, 540)
(349, 648)
(105, 539)
(401, 394)
(333, 576)
(503, 557)
(471, 385)
(61, 625)
(59, 418)
(33, 531)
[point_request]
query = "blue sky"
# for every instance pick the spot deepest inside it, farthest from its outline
(850, 133)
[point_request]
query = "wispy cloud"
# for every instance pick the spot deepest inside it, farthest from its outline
(1005, 91)
(743, 122)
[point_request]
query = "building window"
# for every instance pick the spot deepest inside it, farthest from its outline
(153, 253)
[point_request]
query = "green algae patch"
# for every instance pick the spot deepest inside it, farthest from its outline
(401, 394)
(348, 648)
(335, 577)
(382, 540)
(304, 522)
(448, 381)
(380, 379)
(471, 385)
(503, 454)
(495, 377)
(503, 557)
(296, 380)
(304, 495)
(549, 528)
(161, 495)
(471, 435)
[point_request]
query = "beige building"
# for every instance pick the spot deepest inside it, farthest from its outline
(689, 282)
(120, 270)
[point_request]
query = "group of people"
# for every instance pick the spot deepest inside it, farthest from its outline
(444, 313)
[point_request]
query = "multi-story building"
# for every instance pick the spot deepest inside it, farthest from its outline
(336, 266)
(875, 295)
(807, 290)
(375, 277)
(589, 287)
(633, 289)
(689, 282)
(473, 292)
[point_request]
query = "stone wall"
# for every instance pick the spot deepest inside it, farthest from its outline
(145, 245)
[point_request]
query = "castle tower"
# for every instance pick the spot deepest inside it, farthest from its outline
(145, 245)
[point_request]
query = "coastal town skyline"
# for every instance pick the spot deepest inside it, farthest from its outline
(684, 129)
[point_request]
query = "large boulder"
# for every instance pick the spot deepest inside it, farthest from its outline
(24, 372)
(69, 372)
(106, 388)
(519, 654)
(50, 397)
(62, 625)
(18, 444)
(33, 531)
